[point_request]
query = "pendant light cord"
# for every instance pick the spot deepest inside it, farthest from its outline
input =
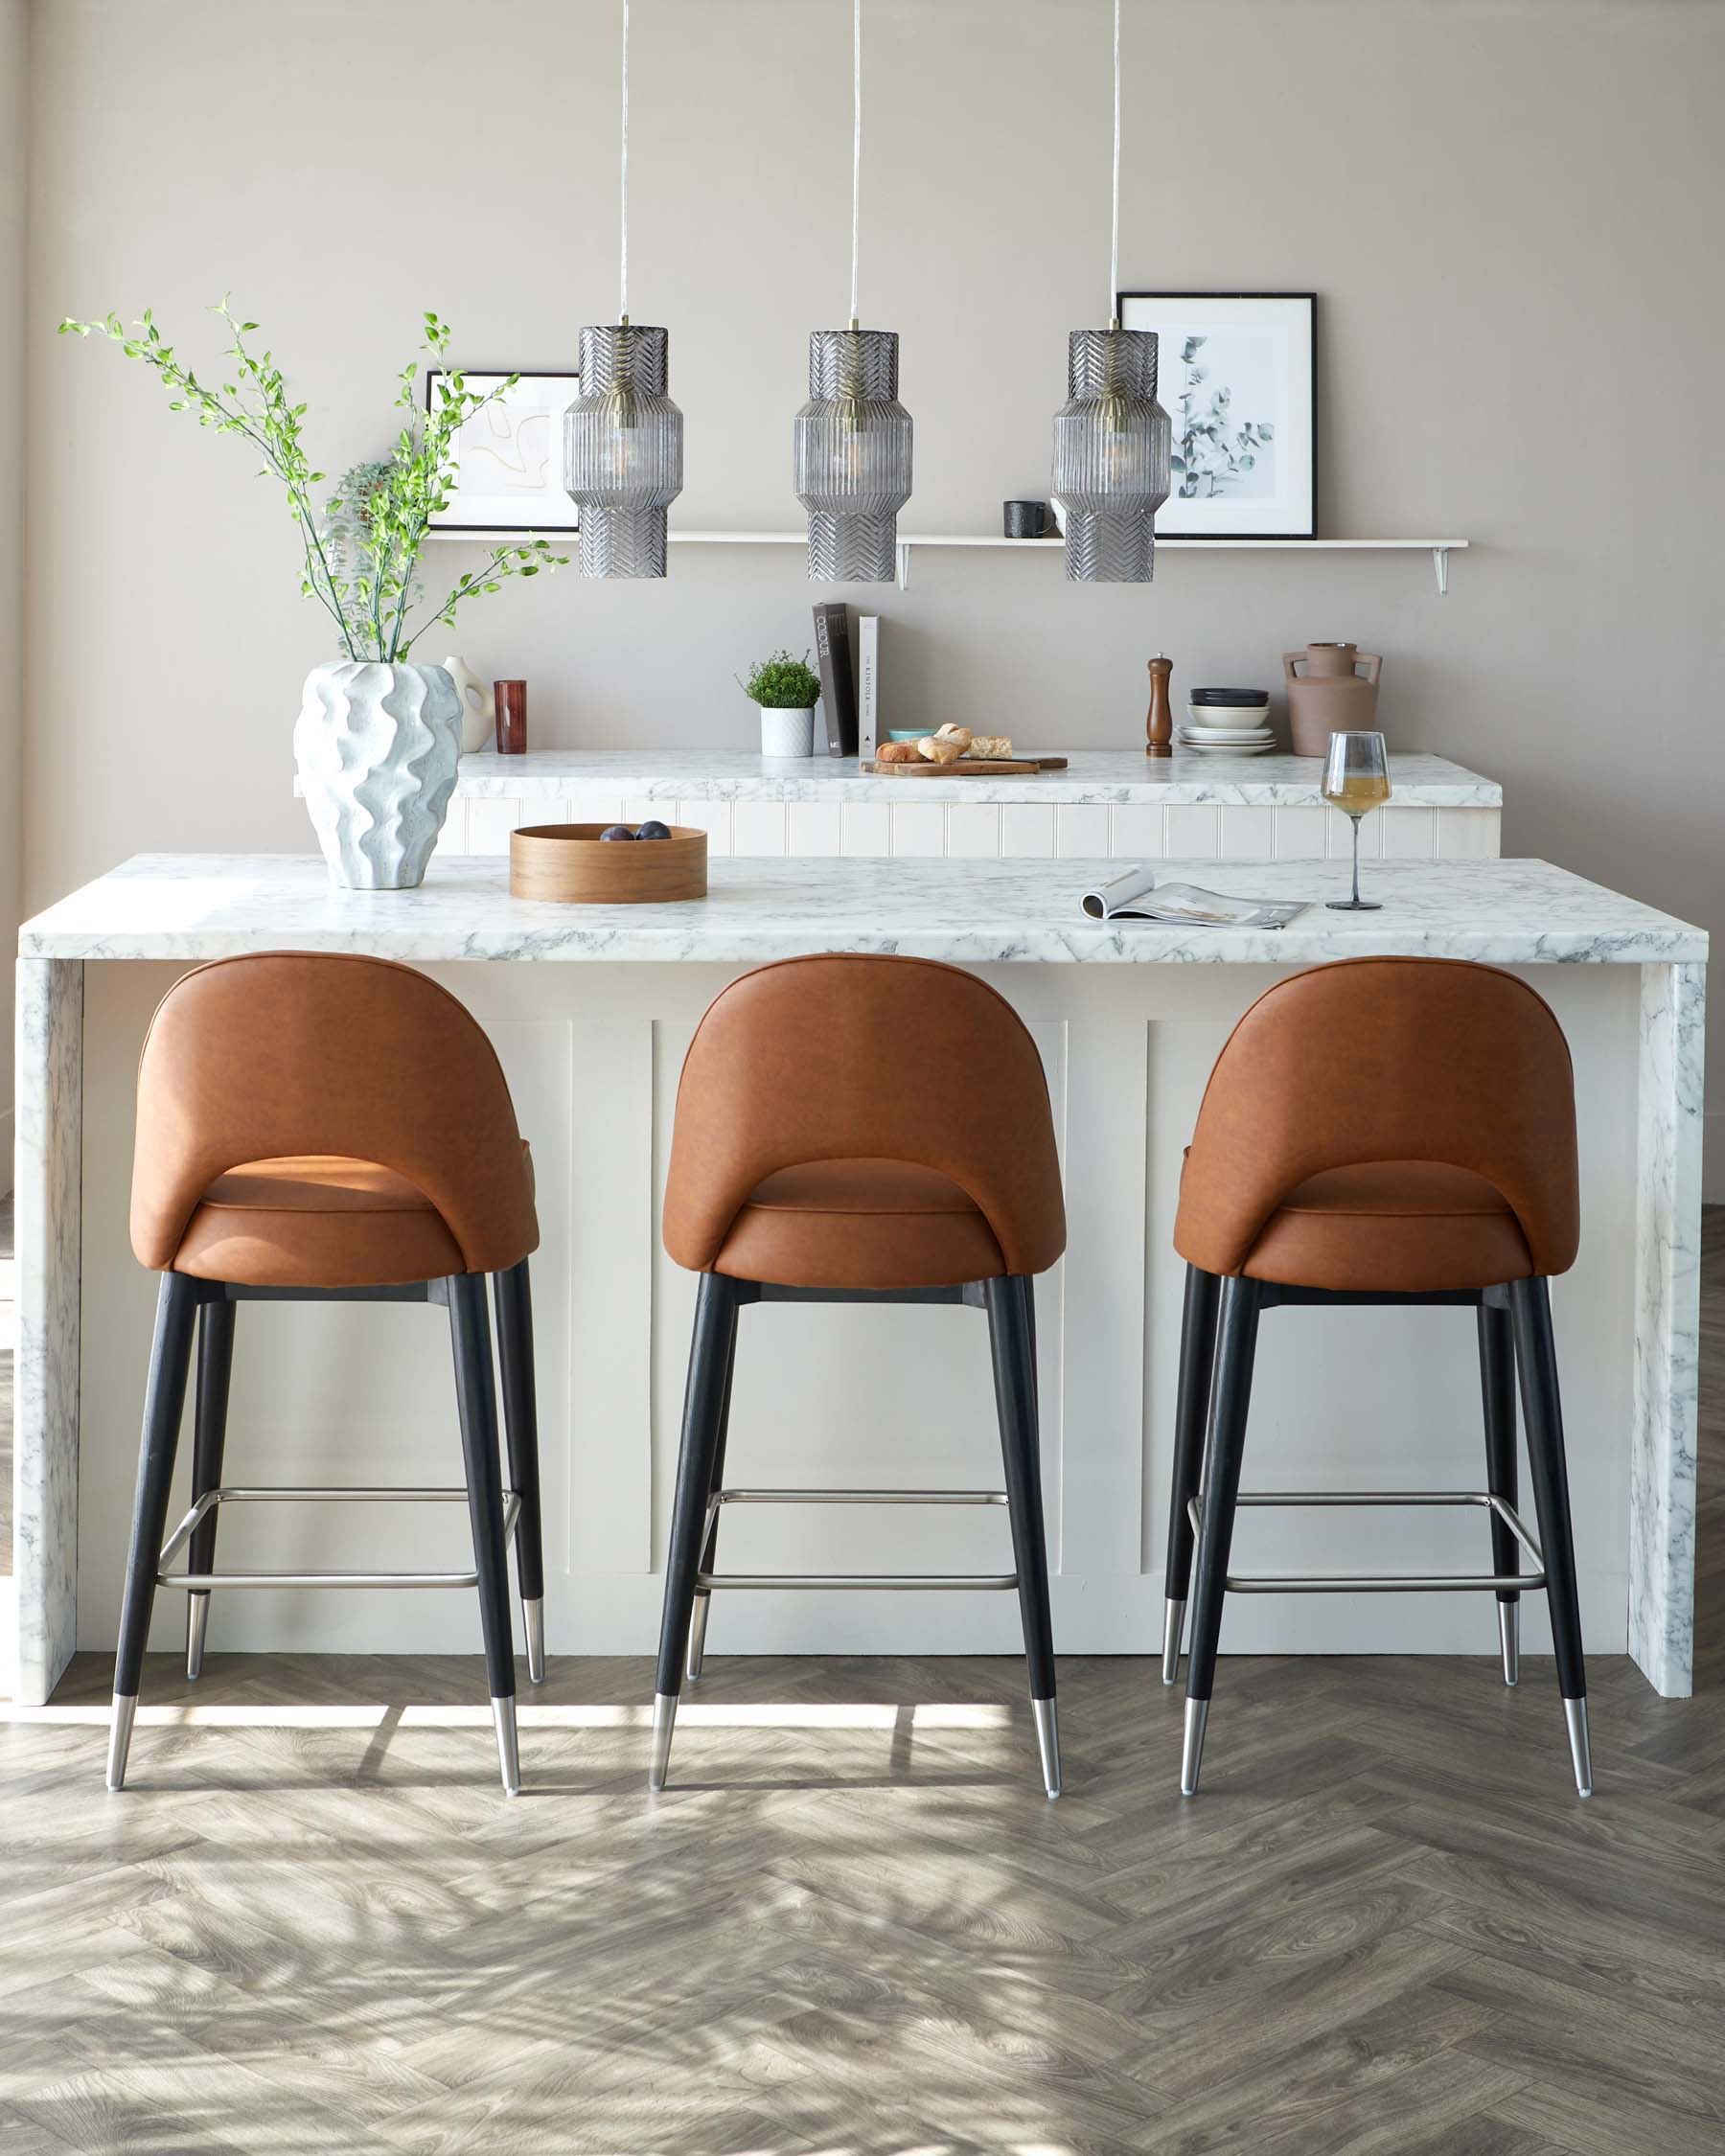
(1113, 242)
(623, 177)
(856, 151)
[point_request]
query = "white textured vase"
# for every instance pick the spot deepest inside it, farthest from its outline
(787, 733)
(377, 748)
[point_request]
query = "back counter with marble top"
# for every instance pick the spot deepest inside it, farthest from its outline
(591, 1009)
(1192, 806)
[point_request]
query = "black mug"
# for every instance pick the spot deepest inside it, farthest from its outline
(1025, 519)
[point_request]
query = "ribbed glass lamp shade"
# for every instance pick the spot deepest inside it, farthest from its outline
(1111, 456)
(623, 443)
(852, 455)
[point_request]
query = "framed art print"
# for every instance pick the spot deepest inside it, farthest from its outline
(509, 458)
(1235, 378)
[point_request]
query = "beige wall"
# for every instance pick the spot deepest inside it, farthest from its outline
(1510, 212)
(14, 79)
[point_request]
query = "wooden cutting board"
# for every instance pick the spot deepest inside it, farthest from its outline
(968, 767)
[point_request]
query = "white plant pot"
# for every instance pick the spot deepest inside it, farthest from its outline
(377, 748)
(787, 733)
(478, 706)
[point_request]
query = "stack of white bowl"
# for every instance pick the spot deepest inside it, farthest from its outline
(1228, 723)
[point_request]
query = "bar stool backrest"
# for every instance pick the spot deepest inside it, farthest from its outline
(847, 1058)
(1385, 1059)
(290, 1053)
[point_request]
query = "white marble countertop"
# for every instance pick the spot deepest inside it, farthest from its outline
(1094, 774)
(191, 907)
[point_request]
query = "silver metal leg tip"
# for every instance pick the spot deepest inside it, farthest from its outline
(509, 1756)
(1191, 1756)
(1510, 1640)
(1575, 1714)
(1047, 1743)
(664, 1722)
(198, 1624)
(120, 1732)
(533, 1636)
(1173, 1626)
(698, 1624)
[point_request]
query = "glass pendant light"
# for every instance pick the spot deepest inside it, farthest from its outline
(852, 439)
(623, 437)
(1112, 438)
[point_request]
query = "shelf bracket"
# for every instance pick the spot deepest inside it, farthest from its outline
(903, 564)
(1440, 565)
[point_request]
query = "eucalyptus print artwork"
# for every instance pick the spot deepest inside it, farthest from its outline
(1216, 452)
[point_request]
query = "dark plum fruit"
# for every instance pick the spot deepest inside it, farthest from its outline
(654, 829)
(617, 831)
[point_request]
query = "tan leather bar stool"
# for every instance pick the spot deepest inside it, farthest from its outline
(1384, 1131)
(828, 1148)
(321, 1129)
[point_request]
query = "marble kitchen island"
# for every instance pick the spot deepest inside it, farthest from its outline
(591, 1010)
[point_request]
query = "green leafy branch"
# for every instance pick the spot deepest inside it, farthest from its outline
(369, 597)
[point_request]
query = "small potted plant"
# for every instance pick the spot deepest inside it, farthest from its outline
(786, 690)
(379, 734)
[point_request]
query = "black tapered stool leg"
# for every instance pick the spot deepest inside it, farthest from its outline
(164, 1404)
(477, 1394)
(703, 1412)
(208, 1437)
(1012, 1343)
(513, 1293)
(1542, 1413)
(1191, 1413)
(709, 1554)
(1231, 1399)
(1497, 1392)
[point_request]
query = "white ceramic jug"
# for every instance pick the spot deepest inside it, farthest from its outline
(478, 706)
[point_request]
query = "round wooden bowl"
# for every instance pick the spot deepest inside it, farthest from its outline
(571, 863)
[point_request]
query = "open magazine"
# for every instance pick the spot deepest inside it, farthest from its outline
(1135, 895)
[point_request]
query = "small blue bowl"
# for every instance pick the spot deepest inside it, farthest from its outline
(911, 733)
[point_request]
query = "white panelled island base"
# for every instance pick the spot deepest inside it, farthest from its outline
(591, 1010)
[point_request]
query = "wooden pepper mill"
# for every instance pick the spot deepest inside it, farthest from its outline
(1158, 720)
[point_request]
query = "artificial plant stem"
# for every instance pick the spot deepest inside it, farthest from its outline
(500, 556)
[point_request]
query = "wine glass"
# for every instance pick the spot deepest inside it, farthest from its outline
(1356, 780)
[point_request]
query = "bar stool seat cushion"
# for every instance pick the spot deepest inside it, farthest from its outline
(865, 1223)
(319, 1220)
(1396, 1124)
(859, 1122)
(318, 1120)
(1395, 1226)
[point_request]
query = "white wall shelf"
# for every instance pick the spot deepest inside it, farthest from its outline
(1439, 549)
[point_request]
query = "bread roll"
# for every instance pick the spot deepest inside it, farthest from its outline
(960, 734)
(896, 752)
(939, 752)
(992, 748)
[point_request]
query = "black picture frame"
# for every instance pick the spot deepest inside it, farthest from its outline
(452, 525)
(1175, 514)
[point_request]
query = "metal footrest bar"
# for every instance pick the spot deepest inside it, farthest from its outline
(877, 1582)
(1384, 1583)
(203, 1582)
(909, 1581)
(860, 1497)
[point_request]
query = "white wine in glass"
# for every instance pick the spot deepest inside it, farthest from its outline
(1356, 780)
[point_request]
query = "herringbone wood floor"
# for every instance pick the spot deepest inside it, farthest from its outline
(854, 1924)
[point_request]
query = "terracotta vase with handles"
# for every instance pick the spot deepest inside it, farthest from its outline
(1333, 696)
